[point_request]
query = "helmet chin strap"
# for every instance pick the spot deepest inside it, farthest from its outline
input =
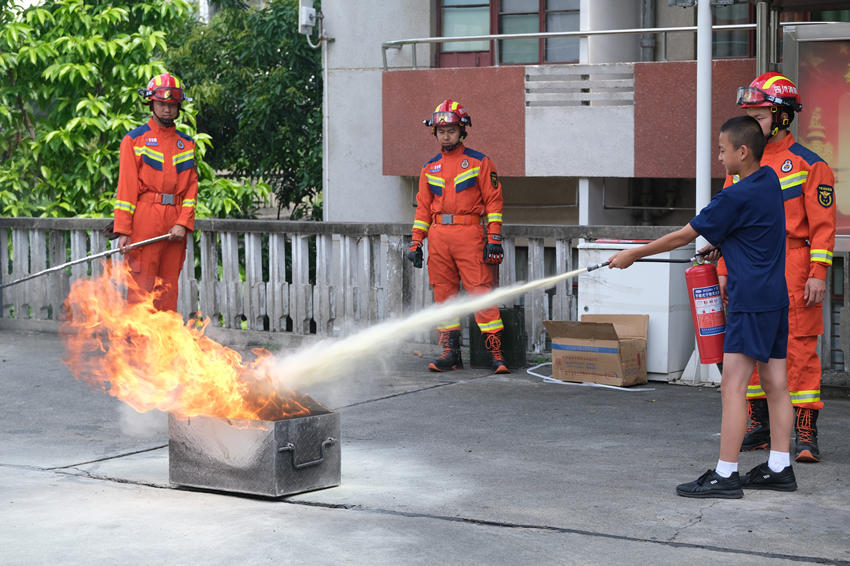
(167, 122)
(777, 123)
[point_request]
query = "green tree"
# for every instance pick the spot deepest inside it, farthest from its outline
(71, 70)
(259, 92)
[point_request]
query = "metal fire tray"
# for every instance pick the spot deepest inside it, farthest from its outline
(269, 458)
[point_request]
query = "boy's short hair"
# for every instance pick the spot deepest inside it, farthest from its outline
(745, 130)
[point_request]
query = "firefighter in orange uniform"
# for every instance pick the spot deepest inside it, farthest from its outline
(808, 191)
(157, 188)
(459, 195)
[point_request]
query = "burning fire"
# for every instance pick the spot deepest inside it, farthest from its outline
(151, 360)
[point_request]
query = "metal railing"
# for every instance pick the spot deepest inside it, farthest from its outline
(495, 38)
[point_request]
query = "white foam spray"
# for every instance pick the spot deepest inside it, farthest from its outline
(328, 359)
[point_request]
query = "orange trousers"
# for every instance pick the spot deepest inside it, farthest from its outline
(805, 324)
(155, 267)
(455, 255)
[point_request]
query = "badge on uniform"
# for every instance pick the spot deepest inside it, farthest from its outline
(151, 141)
(787, 166)
(436, 168)
(464, 164)
(826, 195)
(494, 179)
(179, 144)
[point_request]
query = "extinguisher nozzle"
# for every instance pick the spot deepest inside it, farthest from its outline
(590, 268)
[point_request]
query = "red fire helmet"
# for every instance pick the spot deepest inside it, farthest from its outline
(448, 112)
(164, 88)
(770, 89)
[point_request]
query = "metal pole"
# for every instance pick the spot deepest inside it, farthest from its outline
(762, 45)
(82, 260)
(703, 133)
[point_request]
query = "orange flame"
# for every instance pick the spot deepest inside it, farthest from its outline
(151, 360)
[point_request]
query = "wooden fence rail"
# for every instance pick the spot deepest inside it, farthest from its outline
(301, 278)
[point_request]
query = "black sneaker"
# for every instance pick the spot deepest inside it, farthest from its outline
(762, 477)
(712, 485)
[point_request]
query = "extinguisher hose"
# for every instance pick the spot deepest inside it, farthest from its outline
(653, 260)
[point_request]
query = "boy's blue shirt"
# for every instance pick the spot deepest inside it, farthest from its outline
(747, 221)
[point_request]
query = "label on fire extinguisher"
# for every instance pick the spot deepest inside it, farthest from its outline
(709, 310)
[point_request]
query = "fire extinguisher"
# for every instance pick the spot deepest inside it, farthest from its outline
(707, 311)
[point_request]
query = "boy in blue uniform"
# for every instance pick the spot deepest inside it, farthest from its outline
(748, 221)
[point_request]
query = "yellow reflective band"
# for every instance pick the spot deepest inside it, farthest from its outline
(189, 202)
(125, 206)
(794, 180)
(438, 181)
(494, 217)
(812, 396)
(421, 225)
(455, 105)
(155, 155)
(467, 175)
(767, 84)
(450, 325)
(491, 326)
(158, 80)
(754, 391)
(181, 157)
(824, 256)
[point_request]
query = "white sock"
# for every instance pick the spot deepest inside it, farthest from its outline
(778, 461)
(725, 469)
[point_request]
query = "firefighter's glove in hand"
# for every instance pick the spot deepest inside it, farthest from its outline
(415, 254)
(493, 252)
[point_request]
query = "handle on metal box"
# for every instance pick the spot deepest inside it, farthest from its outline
(291, 449)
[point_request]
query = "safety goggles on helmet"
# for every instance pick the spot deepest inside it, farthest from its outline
(445, 117)
(168, 94)
(752, 96)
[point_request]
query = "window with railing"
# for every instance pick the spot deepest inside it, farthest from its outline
(530, 16)
(477, 17)
(727, 44)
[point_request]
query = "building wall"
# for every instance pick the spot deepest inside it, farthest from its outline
(353, 186)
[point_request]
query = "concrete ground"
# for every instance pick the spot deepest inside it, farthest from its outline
(457, 468)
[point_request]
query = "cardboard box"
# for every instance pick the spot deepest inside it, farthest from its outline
(602, 348)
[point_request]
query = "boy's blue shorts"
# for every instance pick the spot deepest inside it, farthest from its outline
(759, 335)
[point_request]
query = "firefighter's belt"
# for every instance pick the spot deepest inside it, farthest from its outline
(161, 198)
(457, 219)
(794, 243)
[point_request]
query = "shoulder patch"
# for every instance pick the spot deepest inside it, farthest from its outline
(494, 179)
(807, 154)
(826, 195)
(474, 154)
(141, 130)
(433, 159)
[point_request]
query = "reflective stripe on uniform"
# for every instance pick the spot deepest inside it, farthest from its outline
(492, 326)
(754, 391)
(421, 225)
(125, 206)
(494, 217)
(189, 203)
(799, 397)
(467, 179)
(450, 325)
(824, 256)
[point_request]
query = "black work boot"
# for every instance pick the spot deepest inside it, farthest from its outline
(762, 477)
(806, 444)
(450, 341)
(493, 343)
(758, 429)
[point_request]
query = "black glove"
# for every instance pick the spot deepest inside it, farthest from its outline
(415, 254)
(493, 252)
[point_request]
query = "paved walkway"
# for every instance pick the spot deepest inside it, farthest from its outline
(459, 468)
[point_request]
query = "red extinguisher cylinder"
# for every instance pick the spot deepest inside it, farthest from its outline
(707, 311)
